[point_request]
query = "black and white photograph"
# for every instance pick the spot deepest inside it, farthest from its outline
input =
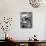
(26, 20)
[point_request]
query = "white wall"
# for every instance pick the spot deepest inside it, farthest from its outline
(13, 8)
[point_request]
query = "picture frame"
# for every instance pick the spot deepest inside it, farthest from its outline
(26, 20)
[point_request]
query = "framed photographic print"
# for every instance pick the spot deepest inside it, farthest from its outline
(26, 20)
